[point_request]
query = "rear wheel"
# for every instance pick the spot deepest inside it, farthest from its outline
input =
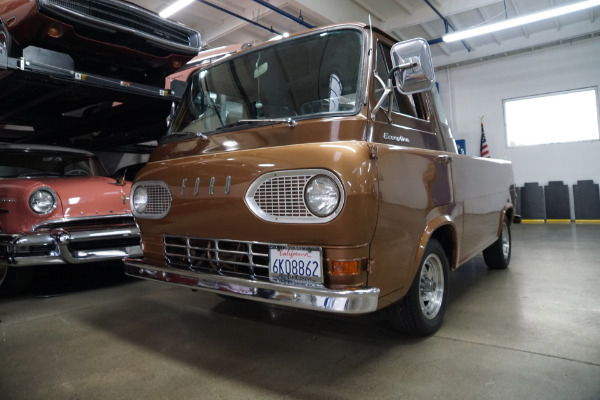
(15, 280)
(497, 256)
(421, 311)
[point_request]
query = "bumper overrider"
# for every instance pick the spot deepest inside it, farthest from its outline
(69, 247)
(357, 301)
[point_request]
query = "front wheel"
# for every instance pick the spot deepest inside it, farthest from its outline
(497, 256)
(421, 311)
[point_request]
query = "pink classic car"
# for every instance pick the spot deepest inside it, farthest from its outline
(58, 206)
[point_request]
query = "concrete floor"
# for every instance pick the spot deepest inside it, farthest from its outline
(529, 332)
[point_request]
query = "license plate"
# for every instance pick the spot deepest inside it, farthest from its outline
(295, 265)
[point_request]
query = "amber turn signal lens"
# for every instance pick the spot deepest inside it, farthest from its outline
(55, 30)
(177, 63)
(345, 267)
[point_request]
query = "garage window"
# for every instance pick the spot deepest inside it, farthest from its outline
(562, 117)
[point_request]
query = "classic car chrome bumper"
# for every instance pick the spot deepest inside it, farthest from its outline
(65, 247)
(312, 298)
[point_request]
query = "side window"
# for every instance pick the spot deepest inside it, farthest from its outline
(405, 104)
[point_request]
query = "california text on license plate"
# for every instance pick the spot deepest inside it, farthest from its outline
(295, 265)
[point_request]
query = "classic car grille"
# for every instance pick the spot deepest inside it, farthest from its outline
(127, 16)
(283, 196)
(218, 256)
(105, 244)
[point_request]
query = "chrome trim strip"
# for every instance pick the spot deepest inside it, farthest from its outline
(358, 301)
(311, 218)
(78, 219)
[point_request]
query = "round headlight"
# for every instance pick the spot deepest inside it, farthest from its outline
(139, 200)
(42, 201)
(321, 195)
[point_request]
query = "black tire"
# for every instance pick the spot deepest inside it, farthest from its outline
(421, 311)
(14, 280)
(497, 256)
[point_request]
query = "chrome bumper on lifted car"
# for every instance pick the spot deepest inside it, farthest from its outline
(307, 297)
(69, 247)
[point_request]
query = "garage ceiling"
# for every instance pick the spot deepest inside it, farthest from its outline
(403, 19)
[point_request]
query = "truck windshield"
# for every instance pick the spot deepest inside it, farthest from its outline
(305, 77)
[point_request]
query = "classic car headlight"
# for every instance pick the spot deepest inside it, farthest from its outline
(42, 200)
(139, 200)
(150, 199)
(321, 195)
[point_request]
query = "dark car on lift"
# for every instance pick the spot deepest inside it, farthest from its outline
(109, 37)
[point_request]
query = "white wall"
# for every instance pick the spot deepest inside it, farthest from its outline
(475, 90)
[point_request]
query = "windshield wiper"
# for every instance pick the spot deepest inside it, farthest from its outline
(190, 134)
(41, 173)
(272, 121)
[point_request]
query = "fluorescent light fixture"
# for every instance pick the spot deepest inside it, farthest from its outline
(173, 8)
(526, 19)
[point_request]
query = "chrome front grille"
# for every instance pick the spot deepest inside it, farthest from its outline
(283, 196)
(218, 256)
(159, 199)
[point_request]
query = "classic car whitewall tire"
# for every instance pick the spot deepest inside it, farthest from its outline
(421, 311)
(497, 256)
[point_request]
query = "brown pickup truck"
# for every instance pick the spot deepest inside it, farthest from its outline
(319, 172)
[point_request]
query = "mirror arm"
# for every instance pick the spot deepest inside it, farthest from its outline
(401, 67)
(386, 93)
(389, 88)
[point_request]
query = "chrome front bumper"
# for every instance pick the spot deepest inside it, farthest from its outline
(358, 301)
(58, 247)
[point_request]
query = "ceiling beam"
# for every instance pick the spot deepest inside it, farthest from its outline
(372, 11)
(338, 11)
(405, 7)
(231, 23)
(523, 27)
(424, 13)
(486, 20)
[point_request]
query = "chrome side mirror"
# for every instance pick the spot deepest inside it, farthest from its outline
(413, 68)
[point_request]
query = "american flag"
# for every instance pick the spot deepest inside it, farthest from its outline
(483, 147)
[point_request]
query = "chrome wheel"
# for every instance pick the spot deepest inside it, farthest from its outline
(431, 287)
(497, 255)
(421, 311)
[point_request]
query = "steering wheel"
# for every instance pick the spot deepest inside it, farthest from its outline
(77, 172)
